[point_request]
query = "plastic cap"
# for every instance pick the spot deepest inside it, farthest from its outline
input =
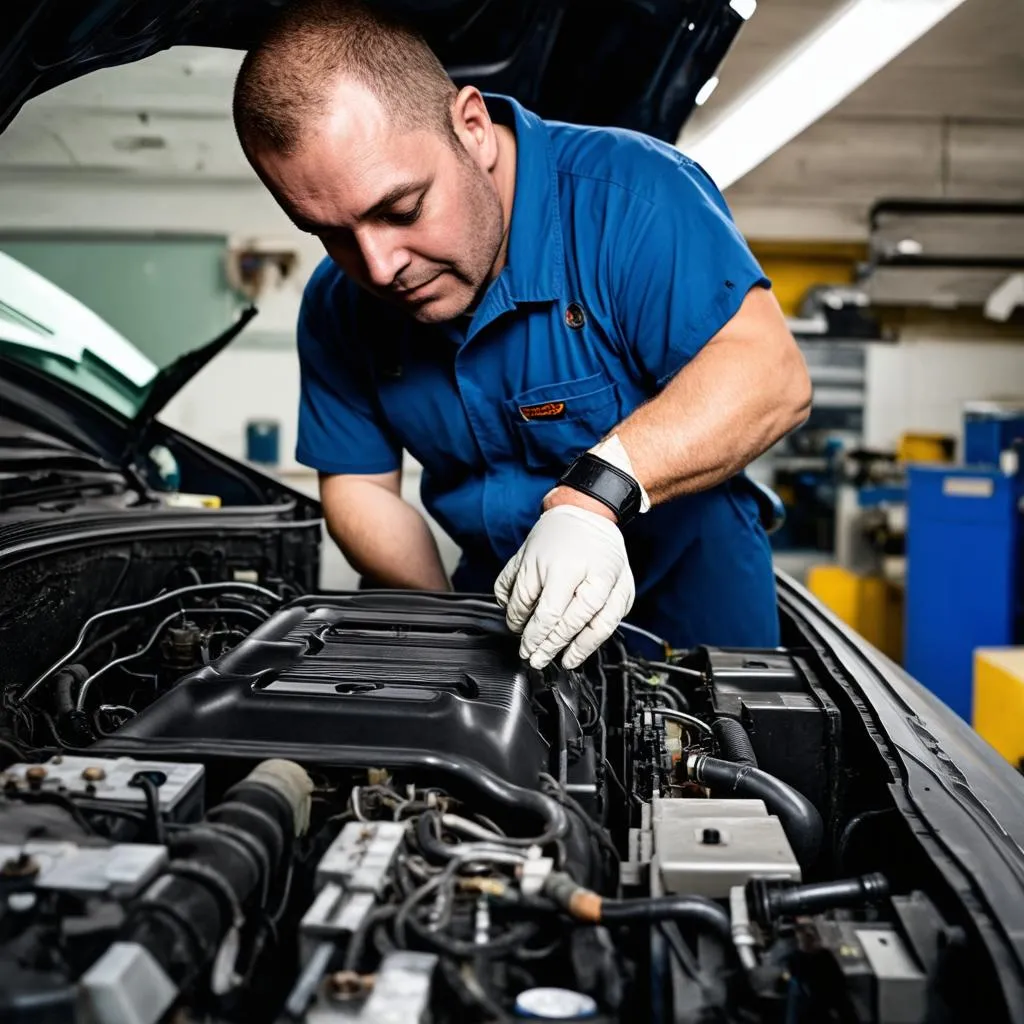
(555, 1004)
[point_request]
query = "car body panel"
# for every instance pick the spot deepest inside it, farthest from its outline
(965, 801)
(623, 62)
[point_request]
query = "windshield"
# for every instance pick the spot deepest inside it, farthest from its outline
(45, 328)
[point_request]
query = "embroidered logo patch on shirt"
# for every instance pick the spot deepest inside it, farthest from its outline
(544, 411)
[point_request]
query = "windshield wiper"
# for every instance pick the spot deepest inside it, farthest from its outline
(17, 460)
(36, 486)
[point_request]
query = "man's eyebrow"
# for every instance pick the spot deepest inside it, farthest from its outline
(393, 196)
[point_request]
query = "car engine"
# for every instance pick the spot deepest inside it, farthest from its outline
(227, 801)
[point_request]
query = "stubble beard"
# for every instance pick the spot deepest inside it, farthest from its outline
(485, 230)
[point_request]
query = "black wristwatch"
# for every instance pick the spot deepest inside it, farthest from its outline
(590, 474)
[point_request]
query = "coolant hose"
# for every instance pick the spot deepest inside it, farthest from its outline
(768, 901)
(733, 741)
(584, 905)
(694, 910)
(433, 848)
(66, 682)
(800, 818)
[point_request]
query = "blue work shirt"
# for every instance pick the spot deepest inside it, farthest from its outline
(623, 261)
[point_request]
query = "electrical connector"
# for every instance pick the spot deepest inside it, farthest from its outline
(533, 874)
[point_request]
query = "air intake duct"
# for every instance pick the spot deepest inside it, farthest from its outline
(221, 870)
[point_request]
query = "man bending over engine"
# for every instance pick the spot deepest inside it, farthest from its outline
(561, 323)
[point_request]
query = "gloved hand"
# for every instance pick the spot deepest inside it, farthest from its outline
(570, 583)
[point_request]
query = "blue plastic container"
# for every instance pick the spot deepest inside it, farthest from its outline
(263, 442)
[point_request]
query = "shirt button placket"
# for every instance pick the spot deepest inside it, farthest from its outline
(475, 402)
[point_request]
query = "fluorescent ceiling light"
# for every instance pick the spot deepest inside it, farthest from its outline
(809, 80)
(706, 90)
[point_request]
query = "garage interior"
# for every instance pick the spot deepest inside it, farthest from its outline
(891, 225)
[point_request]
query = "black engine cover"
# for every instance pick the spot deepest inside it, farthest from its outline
(363, 678)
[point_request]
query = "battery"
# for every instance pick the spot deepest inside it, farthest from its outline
(793, 725)
(179, 785)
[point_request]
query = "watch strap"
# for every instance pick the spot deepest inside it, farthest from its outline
(598, 478)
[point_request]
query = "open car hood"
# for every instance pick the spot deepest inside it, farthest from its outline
(42, 325)
(631, 63)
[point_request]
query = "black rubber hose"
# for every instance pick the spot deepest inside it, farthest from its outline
(702, 913)
(219, 867)
(769, 902)
(733, 741)
(697, 912)
(799, 817)
(66, 683)
(434, 849)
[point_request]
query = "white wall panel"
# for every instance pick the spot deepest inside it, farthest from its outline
(923, 382)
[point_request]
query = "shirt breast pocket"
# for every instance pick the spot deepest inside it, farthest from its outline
(556, 422)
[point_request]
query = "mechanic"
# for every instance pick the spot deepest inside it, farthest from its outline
(512, 301)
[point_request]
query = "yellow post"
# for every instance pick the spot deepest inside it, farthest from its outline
(871, 605)
(998, 711)
(917, 446)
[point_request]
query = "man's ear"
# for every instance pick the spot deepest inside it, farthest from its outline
(474, 127)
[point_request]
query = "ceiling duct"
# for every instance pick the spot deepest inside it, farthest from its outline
(946, 255)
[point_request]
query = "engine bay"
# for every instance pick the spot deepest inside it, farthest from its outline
(227, 800)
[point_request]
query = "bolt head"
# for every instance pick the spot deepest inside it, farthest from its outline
(94, 773)
(345, 985)
(22, 866)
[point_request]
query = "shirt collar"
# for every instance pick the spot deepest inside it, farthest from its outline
(534, 268)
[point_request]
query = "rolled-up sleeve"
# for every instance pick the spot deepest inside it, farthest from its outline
(341, 428)
(682, 270)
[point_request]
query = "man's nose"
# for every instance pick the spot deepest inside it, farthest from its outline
(383, 259)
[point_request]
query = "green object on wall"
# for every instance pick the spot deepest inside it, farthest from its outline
(166, 294)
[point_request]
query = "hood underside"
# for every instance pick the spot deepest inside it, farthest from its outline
(631, 63)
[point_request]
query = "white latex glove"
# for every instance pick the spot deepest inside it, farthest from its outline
(570, 583)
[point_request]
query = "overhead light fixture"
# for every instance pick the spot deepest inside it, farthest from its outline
(706, 90)
(809, 80)
(909, 247)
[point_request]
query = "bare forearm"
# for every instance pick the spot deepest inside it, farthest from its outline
(710, 422)
(382, 536)
(743, 392)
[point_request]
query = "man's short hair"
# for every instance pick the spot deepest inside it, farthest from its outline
(285, 82)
